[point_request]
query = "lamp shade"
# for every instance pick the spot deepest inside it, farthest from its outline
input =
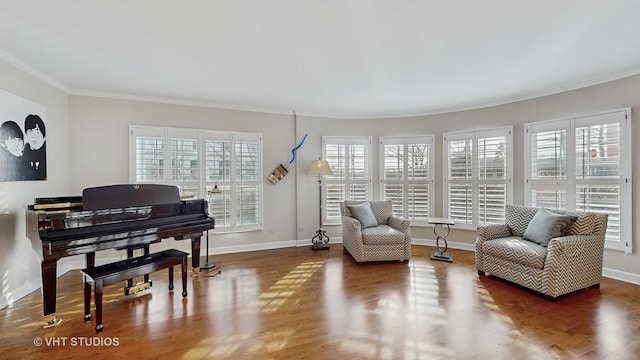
(319, 167)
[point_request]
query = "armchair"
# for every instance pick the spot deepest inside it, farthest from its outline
(385, 238)
(567, 261)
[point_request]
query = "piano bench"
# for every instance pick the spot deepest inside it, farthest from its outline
(112, 273)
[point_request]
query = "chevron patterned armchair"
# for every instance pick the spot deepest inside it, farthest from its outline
(553, 252)
(371, 233)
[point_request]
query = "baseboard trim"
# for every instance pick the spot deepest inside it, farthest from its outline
(251, 247)
(621, 275)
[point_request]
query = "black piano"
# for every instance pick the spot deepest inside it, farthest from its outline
(122, 217)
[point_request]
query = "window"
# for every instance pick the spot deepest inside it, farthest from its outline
(407, 176)
(196, 161)
(349, 158)
(583, 164)
(478, 170)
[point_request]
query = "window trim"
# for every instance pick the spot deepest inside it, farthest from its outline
(624, 180)
(507, 132)
(406, 141)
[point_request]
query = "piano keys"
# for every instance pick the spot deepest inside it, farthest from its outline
(122, 217)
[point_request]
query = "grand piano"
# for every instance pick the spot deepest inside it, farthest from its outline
(122, 217)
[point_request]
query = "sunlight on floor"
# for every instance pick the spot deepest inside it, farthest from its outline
(614, 334)
(270, 300)
(424, 293)
(227, 347)
(399, 325)
(272, 341)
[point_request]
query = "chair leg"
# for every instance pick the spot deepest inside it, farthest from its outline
(87, 300)
(184, 276)
(170, 278)
(98, 300)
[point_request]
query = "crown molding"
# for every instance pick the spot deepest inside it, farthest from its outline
(12, 60)
(473, 106)
(175, 101)
(481, 105)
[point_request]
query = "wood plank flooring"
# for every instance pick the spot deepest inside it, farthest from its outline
(298, 304)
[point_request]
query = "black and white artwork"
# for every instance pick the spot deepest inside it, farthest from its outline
(23, 139)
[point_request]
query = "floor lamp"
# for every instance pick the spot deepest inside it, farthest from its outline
(207, 265)
(320, 168)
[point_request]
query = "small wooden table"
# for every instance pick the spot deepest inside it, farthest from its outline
(441, 254)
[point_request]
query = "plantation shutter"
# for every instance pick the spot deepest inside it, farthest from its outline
(247, 182)
(548, 166)
(406, 176)
(218, 173)
(478, 176)
(583, 164)
(598, 181)
(149, 152)
(460, 180)
(196, 161)
(349, 159)
(492, 179)
(184, 162)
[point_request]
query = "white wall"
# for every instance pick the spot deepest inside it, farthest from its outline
(19, 262)
(612, 95)
(99, 155)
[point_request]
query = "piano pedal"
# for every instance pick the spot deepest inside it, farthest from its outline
(138, 287)
(51, 321)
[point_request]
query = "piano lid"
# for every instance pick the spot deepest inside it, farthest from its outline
(128, 195)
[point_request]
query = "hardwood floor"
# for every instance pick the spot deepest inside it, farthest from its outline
(298, 304)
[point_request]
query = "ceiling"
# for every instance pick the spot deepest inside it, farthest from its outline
(337, 58)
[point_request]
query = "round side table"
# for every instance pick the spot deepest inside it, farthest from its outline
(444, 223)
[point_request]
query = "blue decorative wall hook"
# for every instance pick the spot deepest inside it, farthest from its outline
(283, 169)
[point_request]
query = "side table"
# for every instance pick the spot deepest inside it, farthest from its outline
(441, 254)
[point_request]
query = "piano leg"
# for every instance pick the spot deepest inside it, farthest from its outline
(146, 253)
(129, 281)
(49, 288)
(91, 260)
(195, 255)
